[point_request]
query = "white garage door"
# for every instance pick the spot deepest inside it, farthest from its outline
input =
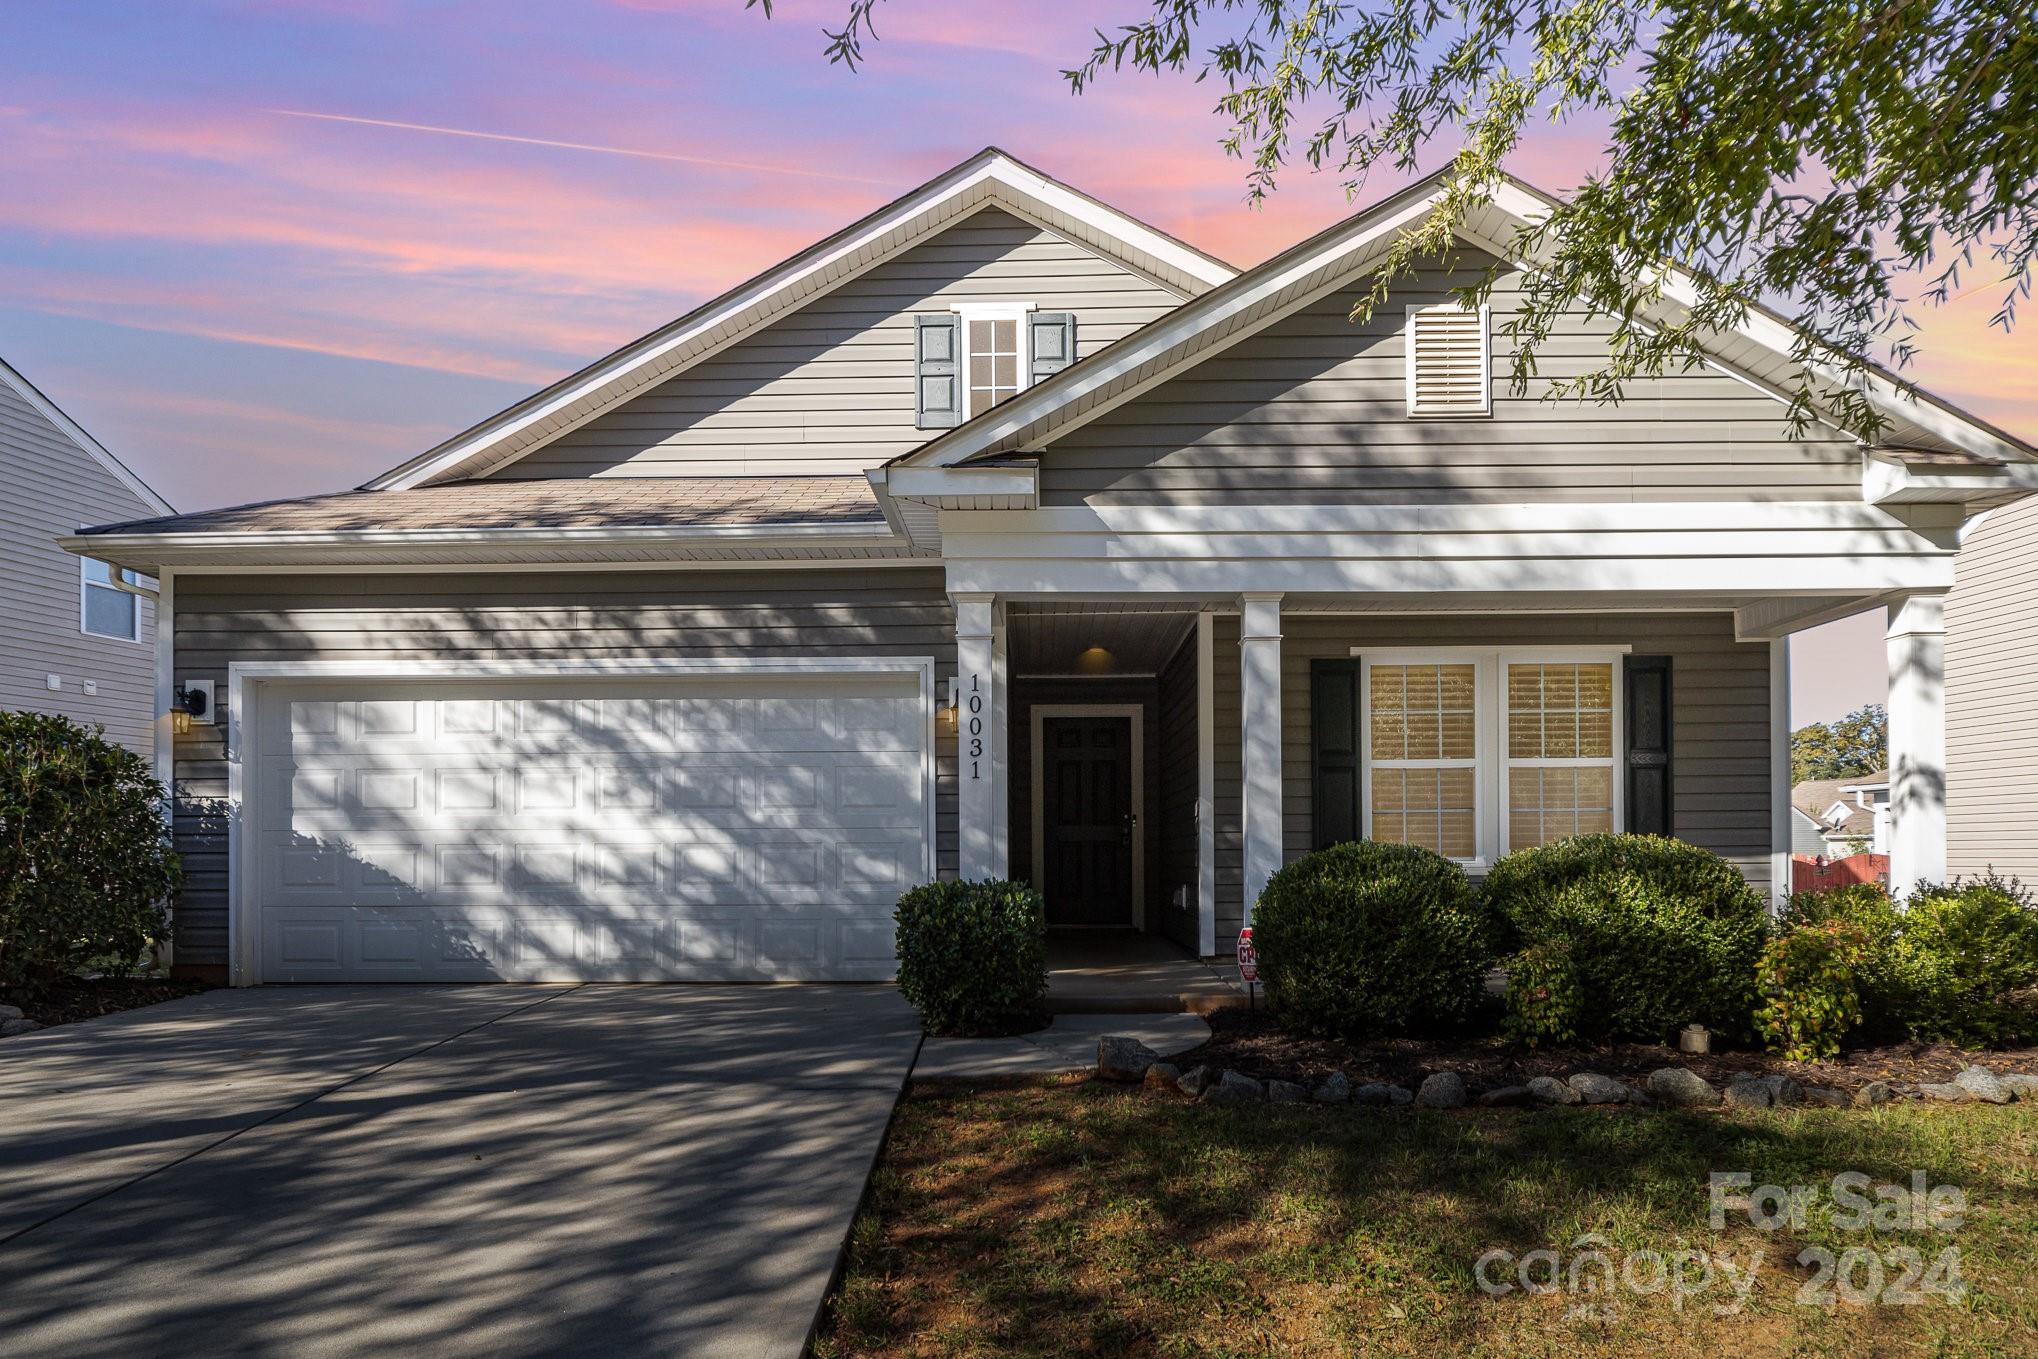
(692, 829)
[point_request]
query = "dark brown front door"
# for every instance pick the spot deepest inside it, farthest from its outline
(1086, 807)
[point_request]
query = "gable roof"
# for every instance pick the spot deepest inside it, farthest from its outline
(1758, 351)
(991, 178)
(75, 432)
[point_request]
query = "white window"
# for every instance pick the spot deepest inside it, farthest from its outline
(1450, 361)
(996, 357)
(103, 609)
(1474, 753)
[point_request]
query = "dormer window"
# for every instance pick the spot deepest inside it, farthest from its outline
(1450, 361)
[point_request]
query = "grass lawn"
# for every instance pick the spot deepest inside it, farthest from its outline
(1071, 1217)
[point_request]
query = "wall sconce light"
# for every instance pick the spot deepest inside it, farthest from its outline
(193, 703)
(180, 722)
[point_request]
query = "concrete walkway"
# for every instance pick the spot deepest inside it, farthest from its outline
(448, 1171)
(1126, 972)
(1067, 1044)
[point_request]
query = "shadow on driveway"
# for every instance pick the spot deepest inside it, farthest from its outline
(452, 1171)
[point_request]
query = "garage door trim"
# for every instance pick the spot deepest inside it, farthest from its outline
(245, 680)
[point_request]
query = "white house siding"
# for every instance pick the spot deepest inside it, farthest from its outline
(56, 487)
(1314, 409)
(502, 616)
(830, 388)
(1992, 698)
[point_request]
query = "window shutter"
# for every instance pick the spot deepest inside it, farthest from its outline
(1334, 752)
(937, 380)
(1054, 342)
(1449, 372)
(1649, 800)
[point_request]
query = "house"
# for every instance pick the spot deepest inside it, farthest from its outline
(1002, 534)
(1839, 817)
(1992, 698)
(79, 635)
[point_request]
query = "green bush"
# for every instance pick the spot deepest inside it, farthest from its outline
(1661, 933)
(1373, 938)
(973, 956)
(1962, 955)
(1807, 979)
(1545, 1003)
(1883, 993)
(85, 858)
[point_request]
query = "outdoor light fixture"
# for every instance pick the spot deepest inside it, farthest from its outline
(193, 702)
(180, 722)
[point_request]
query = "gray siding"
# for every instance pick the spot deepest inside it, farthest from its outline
(1720, 694)
(830, 388)
(1314, 409)
(1992, 698)
(56, 487)
(487, 616)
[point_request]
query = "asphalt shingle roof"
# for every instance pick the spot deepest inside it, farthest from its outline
(553, 503)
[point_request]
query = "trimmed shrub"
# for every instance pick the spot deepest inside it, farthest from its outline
(1962, 955)
(973, 956)
(1807, 978)
(1661, 933)
(85, 858)
(1545, 1003)
(1371, 938)
(1883, 994)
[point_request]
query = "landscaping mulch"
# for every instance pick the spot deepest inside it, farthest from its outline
(90, 997)
(1254, 1044)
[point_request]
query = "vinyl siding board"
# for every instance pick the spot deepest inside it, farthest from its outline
(1992, 699)
(1315, 408)
(1721, 791)
(55, 487)
(830, 387)
(511, 617)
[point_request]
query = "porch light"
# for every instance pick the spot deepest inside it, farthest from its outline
(180, 722)
(1096, 661)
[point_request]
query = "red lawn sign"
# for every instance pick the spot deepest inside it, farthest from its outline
(1248, 961)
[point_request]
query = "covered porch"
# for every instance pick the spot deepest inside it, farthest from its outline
(1149, 761)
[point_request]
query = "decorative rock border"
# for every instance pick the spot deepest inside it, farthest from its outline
(12, 1022)
(1128, 1060)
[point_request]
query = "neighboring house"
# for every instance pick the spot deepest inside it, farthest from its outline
(1000, 533)
(1992, 698)
(77, 637)
(1839, 817)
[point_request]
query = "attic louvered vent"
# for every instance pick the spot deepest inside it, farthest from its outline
(1449, 361)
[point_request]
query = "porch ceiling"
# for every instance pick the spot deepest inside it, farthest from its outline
(1096, 638)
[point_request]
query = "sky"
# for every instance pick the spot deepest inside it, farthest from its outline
(266, 248)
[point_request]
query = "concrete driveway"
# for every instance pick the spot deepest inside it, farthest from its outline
(441, 1170)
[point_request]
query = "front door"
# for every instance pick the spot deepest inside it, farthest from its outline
(1086, 809)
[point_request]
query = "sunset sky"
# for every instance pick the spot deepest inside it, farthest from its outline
(263, 248)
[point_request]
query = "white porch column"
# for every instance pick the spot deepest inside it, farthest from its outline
(1917, 741)
(1259, 644)
(978, 717)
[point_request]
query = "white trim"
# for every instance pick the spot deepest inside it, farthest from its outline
(1019, 314)
(1135, 719)
(1780, 783)
(162, 725)
(1491, 833)
(1261, 778)
(1415, 410)
(1206, 783)
(988, 176)
(245, 680)
(75, 432)
(86, 585)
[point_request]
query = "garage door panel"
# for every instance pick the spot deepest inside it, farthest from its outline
(552, 830)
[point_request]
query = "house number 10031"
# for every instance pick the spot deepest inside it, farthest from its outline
(976, 728)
